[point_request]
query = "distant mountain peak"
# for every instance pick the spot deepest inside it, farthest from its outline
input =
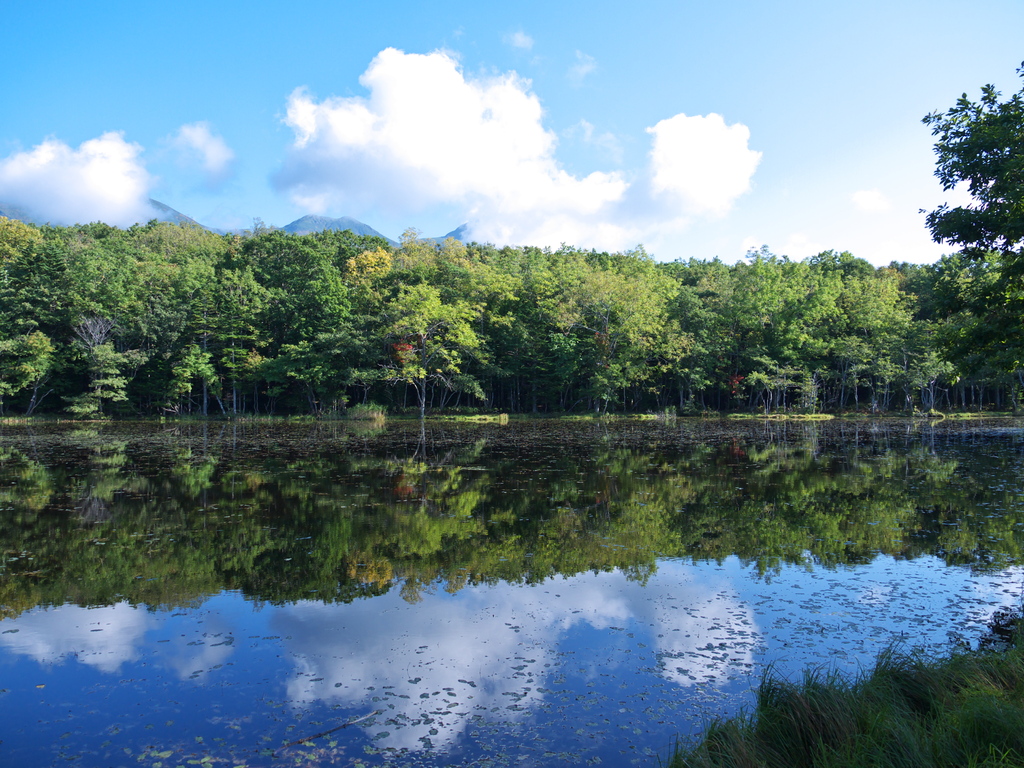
(13, 212)
(168, 214)
(459, 233)
(312, 223)
(161, 211)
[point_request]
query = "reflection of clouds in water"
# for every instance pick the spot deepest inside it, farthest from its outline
(193, 655)
(107, 638)
(435, 666)
(504, 664)
(428, 668)
(876, 595)
(703, 629)
(104, 638)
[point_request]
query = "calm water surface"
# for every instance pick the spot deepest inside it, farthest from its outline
(525, 594)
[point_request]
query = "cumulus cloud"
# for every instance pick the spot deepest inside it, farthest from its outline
(102, 180)
(702, 161)
(584, 66)
(870, 201)
(520, 40)
(197, 144)
(428, 135)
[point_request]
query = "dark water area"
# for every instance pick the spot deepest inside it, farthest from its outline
(529, 594)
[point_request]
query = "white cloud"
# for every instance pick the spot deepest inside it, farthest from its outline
(871, 201)
(751, 243)
(198, 144)
(427, 135)
(102, 180)
(800, 246)
(703, 161)
(584, 66)
(520, 40)
(607, 142)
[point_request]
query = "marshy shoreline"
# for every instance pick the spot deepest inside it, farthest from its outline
(963, 709)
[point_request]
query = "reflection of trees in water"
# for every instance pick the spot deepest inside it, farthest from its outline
(93, 509)
(168, 518)
(104, 460)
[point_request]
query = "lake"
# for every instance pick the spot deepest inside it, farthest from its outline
(532, 594)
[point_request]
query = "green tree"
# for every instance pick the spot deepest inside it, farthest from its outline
(193, 365)
(106, 367)
(981, 144)
(16, 238)
(875, 315)
(240, 301)
(780, 311)
(25, 361)
(431, 340)
(698, 310)
(617, 304)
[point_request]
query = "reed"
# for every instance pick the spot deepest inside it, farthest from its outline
(473, 418)
(965, 709)
(366, 413)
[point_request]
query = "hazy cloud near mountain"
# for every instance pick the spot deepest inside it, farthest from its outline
(428, 135)
(102, 180)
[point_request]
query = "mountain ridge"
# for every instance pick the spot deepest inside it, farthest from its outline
(312, 223)
(304, 225)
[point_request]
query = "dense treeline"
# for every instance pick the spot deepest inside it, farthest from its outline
(162, 318)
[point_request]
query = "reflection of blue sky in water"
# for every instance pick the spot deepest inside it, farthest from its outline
(843, 616)
(592, 664)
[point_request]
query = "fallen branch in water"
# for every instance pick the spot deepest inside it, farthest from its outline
(327, 732)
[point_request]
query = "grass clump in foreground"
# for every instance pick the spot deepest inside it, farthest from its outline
(962, 711)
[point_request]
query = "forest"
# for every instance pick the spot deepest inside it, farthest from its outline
(165, 319)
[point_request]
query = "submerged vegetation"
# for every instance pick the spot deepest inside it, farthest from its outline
(963, 710)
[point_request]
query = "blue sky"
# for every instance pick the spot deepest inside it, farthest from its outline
(696, 129)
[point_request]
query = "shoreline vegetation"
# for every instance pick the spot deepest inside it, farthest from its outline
(964, 709)
(379, 415)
